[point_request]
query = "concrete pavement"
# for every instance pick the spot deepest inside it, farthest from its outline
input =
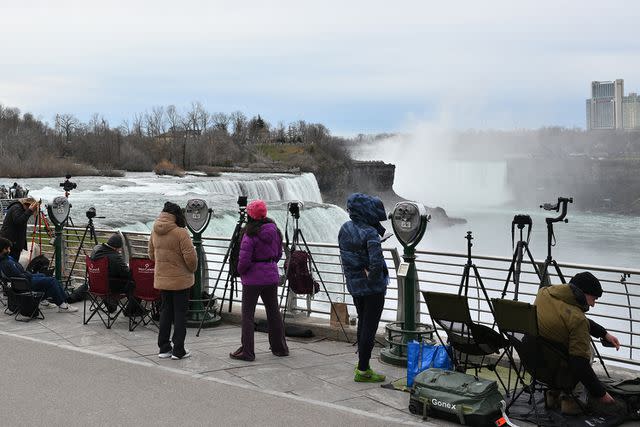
(60, 372)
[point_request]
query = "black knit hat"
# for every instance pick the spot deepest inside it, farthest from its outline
(587, 283)
(171, 208)
(115, 241)
(176, 211)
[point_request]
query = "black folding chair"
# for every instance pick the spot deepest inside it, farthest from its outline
(546, 362)
(451, 313)
(22, 301)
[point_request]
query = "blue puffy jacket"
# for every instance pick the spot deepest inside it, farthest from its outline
(12, 268)
(360, 249)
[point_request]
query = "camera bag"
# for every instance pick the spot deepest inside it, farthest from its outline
(456, 396)
(298, 268)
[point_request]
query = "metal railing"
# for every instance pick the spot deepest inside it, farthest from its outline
(618, 309)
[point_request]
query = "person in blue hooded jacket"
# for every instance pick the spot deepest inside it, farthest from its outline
(365, 272)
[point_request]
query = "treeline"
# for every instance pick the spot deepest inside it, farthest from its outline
(189, 139)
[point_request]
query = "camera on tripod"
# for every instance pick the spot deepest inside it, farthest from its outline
(294, 209)
(561, 207)
(67, 185)
(242, 202)
(521, 221)
(91, 213)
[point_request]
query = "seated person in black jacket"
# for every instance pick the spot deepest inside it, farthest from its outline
(119, 274)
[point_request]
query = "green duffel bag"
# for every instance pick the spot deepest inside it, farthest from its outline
(458, 397)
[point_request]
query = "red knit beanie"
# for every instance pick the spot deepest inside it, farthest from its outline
(257, 210)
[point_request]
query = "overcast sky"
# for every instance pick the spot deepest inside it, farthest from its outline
(355, 66)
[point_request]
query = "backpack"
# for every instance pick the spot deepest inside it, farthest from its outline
(298, 270)
(234, 255)
(627, 391)
(39, 264)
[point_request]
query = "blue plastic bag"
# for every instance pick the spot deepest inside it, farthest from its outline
(421, 356)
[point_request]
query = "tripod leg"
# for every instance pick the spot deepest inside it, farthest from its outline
(75, 258)
(224, 294)
(545, 277)
(560, 275)
(511, 269)
(533, 262)
(464, 281)
(517, 271)
(484, 290)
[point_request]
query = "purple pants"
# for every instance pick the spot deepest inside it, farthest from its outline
(269, 296)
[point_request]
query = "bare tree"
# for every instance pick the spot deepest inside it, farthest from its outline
(65, 125)
(221, 121)
(176, 122)
(136, 124)
(197, 118)
(155, 122)
(239, 123)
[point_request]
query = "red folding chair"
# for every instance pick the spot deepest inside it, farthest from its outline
(97, 277)
(146, 296)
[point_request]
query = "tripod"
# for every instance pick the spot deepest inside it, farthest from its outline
(39, 222)
(464, 282)
(522, 247)
(232, 276)
(545, 280)
(89, 229)
(297, 238)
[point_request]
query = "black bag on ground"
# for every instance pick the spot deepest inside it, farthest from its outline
(456, 396)
(298, 268)
(627, 391)
(40, 264)
(289, 330)
(78, 294)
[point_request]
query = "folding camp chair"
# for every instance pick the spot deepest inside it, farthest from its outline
(546, 362)
(22, 301)
(451, 313)
(147, 298)
(99, 295)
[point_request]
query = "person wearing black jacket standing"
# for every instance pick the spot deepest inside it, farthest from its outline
(14, 224)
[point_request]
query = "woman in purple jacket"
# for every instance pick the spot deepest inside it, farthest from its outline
(260, 251)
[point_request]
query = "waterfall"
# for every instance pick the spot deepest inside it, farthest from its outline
(134, 201)
(273, 188)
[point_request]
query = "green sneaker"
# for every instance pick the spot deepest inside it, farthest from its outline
(368, 376)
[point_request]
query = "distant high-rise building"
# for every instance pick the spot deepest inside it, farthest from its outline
(608, 108)
(631, 111)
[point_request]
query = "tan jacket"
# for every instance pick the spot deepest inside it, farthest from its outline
(562, 319)
(175, 256)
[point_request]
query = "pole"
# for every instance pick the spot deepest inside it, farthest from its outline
(58, 252)
(409, 293)
(196, 309)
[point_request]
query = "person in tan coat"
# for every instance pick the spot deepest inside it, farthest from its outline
(175, 256)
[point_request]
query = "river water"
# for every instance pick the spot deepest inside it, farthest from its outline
(132, 202)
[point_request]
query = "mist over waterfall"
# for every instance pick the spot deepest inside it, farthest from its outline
(134, 201)
(430, 170)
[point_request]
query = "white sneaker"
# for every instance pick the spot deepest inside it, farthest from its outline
(186, 355)
(166, 355)
(46, 304)
(68, 309)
